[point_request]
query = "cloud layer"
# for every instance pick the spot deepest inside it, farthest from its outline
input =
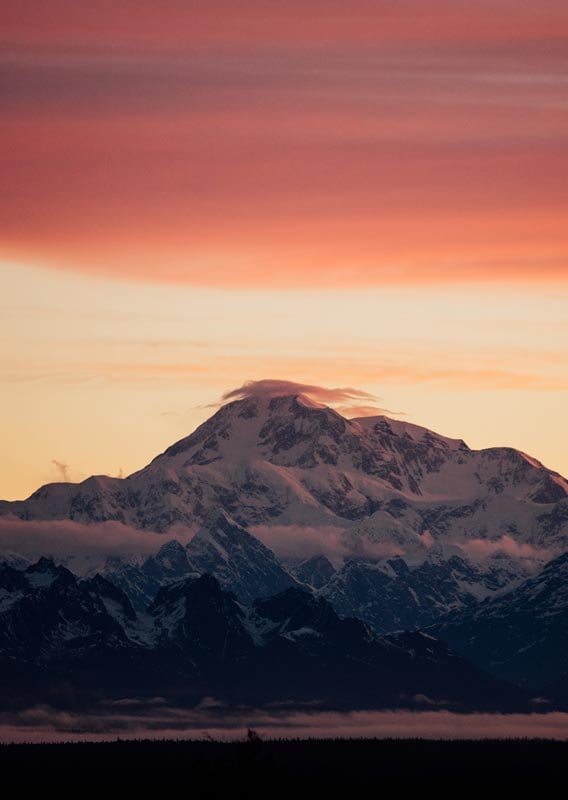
(480, 549)
(304, 541)
(276, 145)
(66, 540)
(130, 718)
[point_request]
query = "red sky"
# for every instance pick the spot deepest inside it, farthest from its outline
(286, 143)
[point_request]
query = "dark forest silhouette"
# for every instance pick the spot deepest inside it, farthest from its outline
(268, 766)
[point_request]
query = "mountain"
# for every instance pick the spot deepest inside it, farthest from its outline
(521, 636)
(239, 561)
(75, 641)
(169, 563)
(139, 580)
(315, 572)
(47, 617)
(389, 595)
(405, 525)
(280, 461)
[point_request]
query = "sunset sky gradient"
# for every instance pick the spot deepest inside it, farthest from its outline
(364, 194)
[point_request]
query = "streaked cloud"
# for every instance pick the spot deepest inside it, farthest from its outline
(354, 411)
(309, 145)
(270, 387)
(371, 196)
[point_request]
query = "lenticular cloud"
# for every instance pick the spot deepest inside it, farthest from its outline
(280, 388)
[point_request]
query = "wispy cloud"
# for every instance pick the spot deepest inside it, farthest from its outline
(62, 468)
(353, 411)
(272, 387)
(461, 370)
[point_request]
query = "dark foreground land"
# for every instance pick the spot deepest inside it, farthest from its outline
(255, 767)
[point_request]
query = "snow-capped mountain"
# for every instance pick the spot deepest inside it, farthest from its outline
(46, 614)
(405, 524)
(521, 635)
(240, 562)
(72, 640)
(315, 572)
(221, 548)
(389, 595)
(285, 461)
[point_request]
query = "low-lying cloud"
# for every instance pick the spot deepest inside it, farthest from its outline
(72, 542)
(480, 549)
(304, 541)
(66, 539)
(132, 718)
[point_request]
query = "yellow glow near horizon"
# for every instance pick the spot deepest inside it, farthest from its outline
(102, 375)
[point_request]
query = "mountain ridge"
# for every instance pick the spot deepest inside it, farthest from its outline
(285, 439)
(197, 640)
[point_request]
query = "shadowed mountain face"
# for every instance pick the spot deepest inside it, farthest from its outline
(46, 615)
(390, 595)
(197, 640)
(314, 572)
(520, 636)
(238, 560)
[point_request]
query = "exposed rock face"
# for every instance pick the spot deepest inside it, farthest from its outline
(197, 640)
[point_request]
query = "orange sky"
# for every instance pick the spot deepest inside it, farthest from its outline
(282, 169)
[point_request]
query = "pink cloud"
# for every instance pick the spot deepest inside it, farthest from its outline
(484, 548)
(354, 411)
(299, 541)
(338, 164)
(272, 387)
(427, 539)
(64, 539)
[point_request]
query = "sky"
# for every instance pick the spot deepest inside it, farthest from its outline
(197, 194)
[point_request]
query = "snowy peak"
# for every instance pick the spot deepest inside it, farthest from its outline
(315, 571)
(297, 612)
(284, 462)
(269, 425)
(45, 573)
(239, 561)
(169, 561)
